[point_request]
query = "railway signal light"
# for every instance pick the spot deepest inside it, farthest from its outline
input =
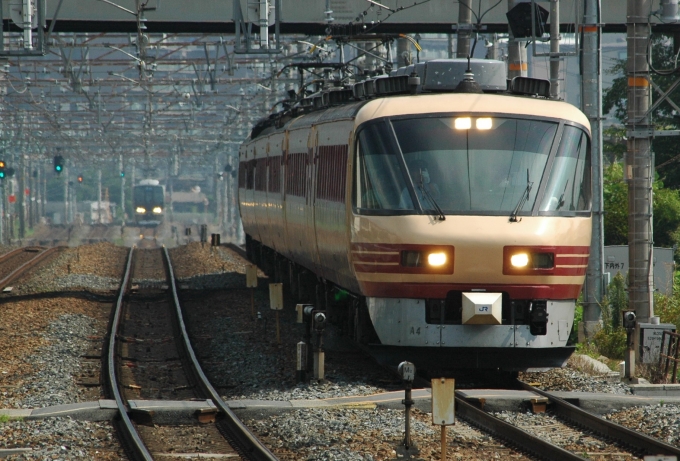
(2, 169)
(122, 174)
(58, 163)
(80, 178)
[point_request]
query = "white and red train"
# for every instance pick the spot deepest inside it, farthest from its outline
(453, 227)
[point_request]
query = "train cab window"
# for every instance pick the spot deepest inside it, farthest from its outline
(480, 164)
(569, 186)
(150, 195)
(378, 177)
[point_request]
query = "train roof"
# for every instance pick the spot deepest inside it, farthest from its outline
(457, 102)
(149, 182)
(437, 86)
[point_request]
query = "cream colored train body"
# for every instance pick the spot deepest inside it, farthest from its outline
(355, 194)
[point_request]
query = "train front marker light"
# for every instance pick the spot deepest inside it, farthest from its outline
(463, 123)
(157, 210)
(519, 260)
(140, 210)
(484, 123)
(436, 259)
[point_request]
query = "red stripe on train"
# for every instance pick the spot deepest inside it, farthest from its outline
(563, 256)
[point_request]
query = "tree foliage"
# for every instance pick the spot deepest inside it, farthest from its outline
(666, 148)
(666, 210)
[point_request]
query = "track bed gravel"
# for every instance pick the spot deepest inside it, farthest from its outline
(226, 338)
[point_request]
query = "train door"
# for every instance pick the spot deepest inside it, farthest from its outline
(329, 206)
(295, 204)
(274, 191)
(248, 201)
(313, 152)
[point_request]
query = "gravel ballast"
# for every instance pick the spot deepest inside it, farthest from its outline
(226, 338)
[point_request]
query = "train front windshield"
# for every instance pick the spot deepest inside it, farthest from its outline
(471, 165)
(148, 195)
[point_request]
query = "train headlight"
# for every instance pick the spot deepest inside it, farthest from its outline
(140, 210)
(431, 259)
(463, 123)
(157, 210)
(519, 260)
(436, 259)
(483, 123)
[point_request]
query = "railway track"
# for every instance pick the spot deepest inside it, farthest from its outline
(17, 262)
(596, 437)
(148, 238)
(151, 367)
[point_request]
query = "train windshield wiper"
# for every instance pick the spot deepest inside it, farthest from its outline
(522, 199)
(560, 202)
(440, 214)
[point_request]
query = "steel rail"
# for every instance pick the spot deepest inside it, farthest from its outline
(637, 441)
(134, 444)
(25, 266)
(244, 441)
(512, 434)
(15, 252)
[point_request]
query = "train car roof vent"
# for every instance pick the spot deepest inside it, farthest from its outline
(339, 96)
(530, 86)
(446, 74)
(391, 85)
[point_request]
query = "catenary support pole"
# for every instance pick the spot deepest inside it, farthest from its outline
(517, 52)
(555, 49)
(639, 162)
(464, 28)
(591, 104)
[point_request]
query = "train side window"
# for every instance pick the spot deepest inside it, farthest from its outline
(569, 186)
(378, 178)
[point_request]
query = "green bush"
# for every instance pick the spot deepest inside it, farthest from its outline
(668, 307)
(578, 317)
(611, 344)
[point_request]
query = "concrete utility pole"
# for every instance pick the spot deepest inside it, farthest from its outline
(591, 104)
(121, 169)
(639, 163)
(99, 195)
(464, 28)
(43, 177)
(403, 52)
(64, 173)
(517, 53)
(493, 51)
(21, 195)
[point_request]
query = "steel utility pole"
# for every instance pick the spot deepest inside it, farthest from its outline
(639, 163)
(591, 103)
(555, 57)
